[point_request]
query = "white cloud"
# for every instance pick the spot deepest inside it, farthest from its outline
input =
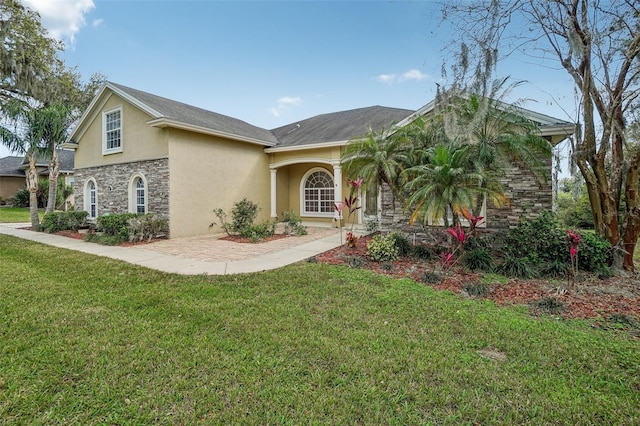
(411, 75)
(284, 103)
(97, 22)
(62, 18)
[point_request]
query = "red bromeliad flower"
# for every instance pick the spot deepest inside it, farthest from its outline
(574, 238)
(573, 252)
(338, 206)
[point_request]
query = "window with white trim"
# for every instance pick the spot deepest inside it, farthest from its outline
(112, 131)
(91, 199)
(318, 194)
(138, 194)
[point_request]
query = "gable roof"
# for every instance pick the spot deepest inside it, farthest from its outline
(169, 113)
(548, 125)
(338, 126)
(10, 166)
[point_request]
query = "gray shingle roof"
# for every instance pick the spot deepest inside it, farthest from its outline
(195, 116)
(338, 126)
(10, 166)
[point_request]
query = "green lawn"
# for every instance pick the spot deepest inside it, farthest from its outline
(90, 340)
(15, 215)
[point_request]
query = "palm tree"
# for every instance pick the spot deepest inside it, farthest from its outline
(27, 137)
(447, 182)
(56, 119)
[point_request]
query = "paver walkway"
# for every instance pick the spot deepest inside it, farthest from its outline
(205, 254)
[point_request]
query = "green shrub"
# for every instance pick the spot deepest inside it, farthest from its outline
(554, 268)
(401, 242)
(64, 221)
(578, 214)
(116, 224)
(259, 231)
(356, 261)
(478, 258)
(382, 248)
(423, 252)
(293, 223)
(429, 277)
(104, 239)
(243, 214)
(540, 239)
(20, 199)
(476, 289)
(146, 227)
(594, 253)
(513, 266)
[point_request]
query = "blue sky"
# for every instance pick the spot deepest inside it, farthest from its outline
(272, 63)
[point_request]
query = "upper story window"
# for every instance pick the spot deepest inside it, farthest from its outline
(112, 131)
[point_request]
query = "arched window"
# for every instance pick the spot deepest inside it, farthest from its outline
(138, 194)
(91, 199)
(317, 193)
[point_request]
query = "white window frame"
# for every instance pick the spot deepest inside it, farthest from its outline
(87, 198)
(105, 114)
(303, 204)
(133, 193)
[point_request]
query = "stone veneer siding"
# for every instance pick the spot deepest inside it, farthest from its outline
(112, 183)
(528, 198)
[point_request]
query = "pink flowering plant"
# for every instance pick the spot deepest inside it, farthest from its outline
(459, 238)
(351, 204)
(574, 242)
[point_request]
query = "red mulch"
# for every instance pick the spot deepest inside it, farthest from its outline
(591, 297)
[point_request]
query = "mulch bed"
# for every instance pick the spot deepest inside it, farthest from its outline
(616, 298)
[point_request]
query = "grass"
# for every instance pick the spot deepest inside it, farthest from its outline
(89, 340)
(16, 215)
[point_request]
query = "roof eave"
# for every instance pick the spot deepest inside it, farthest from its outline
(163, 122)
(306, 147)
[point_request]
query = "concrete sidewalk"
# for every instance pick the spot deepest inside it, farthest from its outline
(197, 255)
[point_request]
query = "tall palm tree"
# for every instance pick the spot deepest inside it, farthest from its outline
(448, 182)
(26, 135)
(56, 119)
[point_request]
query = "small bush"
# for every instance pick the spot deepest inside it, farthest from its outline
(401, 242)
(386, 266)
(423, 252)
(513, 266)
(243, 214)
(554, 269)
(293, 223)
(476, 289)
(20, 199)
(594, 253)
(104, 239)
(478, 258)
(429, 277)
(64, 221)
(259, 231)
(549, 305)
(146, 227)
(355, 261)
(371, 225)
(382, 248)
(116, 225)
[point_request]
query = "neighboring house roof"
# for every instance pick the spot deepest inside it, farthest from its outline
(338, 126)
(10, 166)
(66, 159)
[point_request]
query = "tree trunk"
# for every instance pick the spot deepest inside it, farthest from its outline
(632, 218)
(32, 186)
(53, 182)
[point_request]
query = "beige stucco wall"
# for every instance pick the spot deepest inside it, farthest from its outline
(9, 185)
(207, 173)
(140, 142)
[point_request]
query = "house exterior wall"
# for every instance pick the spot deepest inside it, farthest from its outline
(9, 185)
(140, 142)
(527, 198)
(112, 186)
(207, 173)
